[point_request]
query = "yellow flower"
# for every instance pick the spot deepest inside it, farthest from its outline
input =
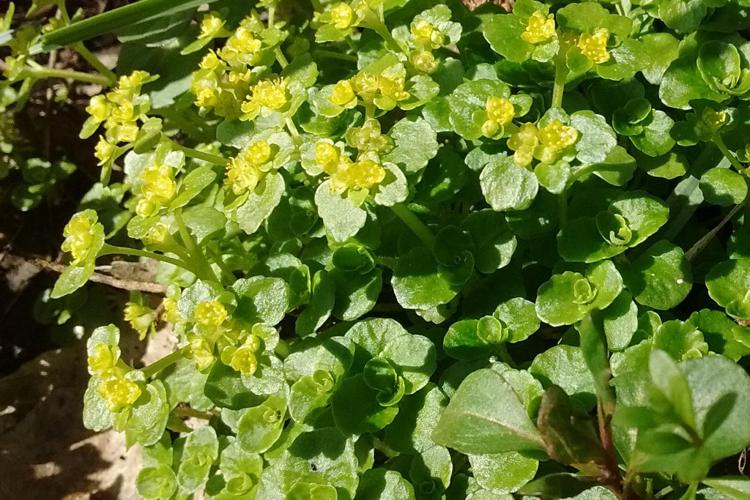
(368, 137)
(140, 318)
(342, 16)
(210, 61)
(104, 150)
(79, 235)
(594, 45)
(103, 360)
(327, 155)
(714, 119)
(365, 85)
(210, 314)
(157, 190)
(133, 82)
(343, 94)
(500, 110)
(157, 234)
(98, 108)
(119, 393)
(245, 171)
(391, 83)
(523, 143)
(539, 28)
(271, 93)
(558, 136)
(211, 25)
(426, 35)
(241, 48)
(244, 360)
(171, 313)
(424, 61)
(201, 353)
(362, 174)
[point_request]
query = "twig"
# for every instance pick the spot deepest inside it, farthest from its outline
(699, 245)
(122, 284)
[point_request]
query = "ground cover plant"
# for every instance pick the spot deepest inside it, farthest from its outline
(410, 250)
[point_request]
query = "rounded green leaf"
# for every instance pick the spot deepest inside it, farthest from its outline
(507, 186)
(723, 187)
(660, 278)
(728, 285)
(503, 472)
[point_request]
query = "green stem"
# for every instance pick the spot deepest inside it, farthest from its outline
(558, 87)
(292, 129)
(727, 154)
(281, 57)
(200, 155)
(417, 226)
(108, 249)
(329, 54)
(165, 362)
(196, 254)
(95, 62)
(699, 245)
(67, 74)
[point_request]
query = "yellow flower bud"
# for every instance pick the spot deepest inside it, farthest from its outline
(259, 152)
(171, 313)
(210, 61)
(157, 189)
(558, 136)
(119, 393)
(140, 318)
(500, 110)
(523, 143)
(391, 84)
(594, 45)
(490, 128)
(368, 137)
(98, 108)
(211, 25)
(327, 156)
(210, 314)
(201, 353)
(342, 16)
(241, 48)
(244, 360)
(714, 119)
(539, 28)
(157, 234)
(424, 61)
(104, 150)
(79, 235)
(103, 360)
(365, 85)
(426, 35)
(343, 94)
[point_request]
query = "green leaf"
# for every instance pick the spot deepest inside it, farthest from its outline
(503, 472)
(661, 277)
(723, 187)
(415, 144)
(261, 299)
(319, 309)
(568, 297)
(117, 19)
(417, 417)
(620, 321)
(564, 366)
(200, 451)
(734, 486)
(519, 317)
(597, 138)
(494, 243)
(342, 218)
(356, 409)
(671, 382)
(507, 186)
(260, 427)
(418, 283)
(379, 484)
(728, 285)
(394, 189)
(192, 184)
(96, 414)
(148, 417)
(467, 105)
(569, 434)
(261, 202)
(155, 483)
(486, 416)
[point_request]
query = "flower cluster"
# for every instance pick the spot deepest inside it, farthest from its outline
(346, 175)
(540, 28)
(543, 143)
(247, 169)
(500, 112)
(120, 112)
(594, 45)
